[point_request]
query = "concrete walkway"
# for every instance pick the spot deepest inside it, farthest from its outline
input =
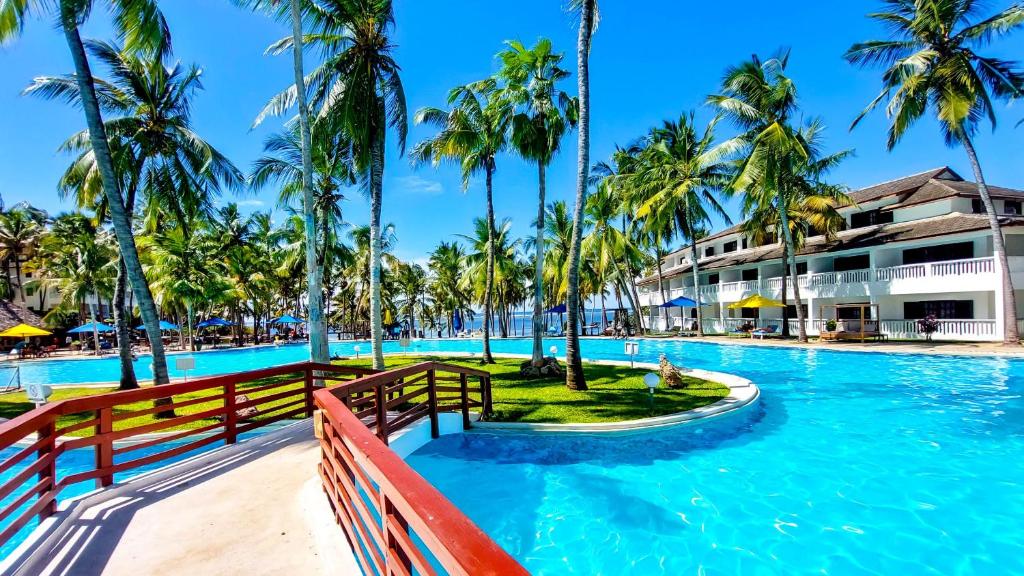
(253, 508)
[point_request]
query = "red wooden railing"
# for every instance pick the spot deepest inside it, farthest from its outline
(395, 521)
(40, 437)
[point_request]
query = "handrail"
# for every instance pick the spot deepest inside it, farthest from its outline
(383, 506)
(36, 482)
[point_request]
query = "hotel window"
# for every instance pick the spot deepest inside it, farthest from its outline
(801, 268)
(713, 278)
(750, 274)
(1011, 207)
(940, 253)
(977, 206)
(729, 247)
(681, 261)
(948, 309)
(870, 218)
(858, 262)
(709, 251)
(791, 310)
(744, 244)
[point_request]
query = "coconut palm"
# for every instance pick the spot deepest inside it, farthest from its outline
(472, 134)
(532, 77)
(934, 63)
(77, 258)
(589, 17)
(20, 233)
(143, 28)
(678, 177)
(155, 152)
(812, 209)
(446, 267)
(412, 284)
(356, 89)
(761, 100)
(607, 247)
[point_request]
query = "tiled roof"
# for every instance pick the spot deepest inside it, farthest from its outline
(901, 185)
(866, 237)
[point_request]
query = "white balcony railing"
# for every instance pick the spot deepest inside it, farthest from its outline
(945, 270)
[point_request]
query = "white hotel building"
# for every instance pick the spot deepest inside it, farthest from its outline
(915, 246)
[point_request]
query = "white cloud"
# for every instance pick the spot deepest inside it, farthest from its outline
(419, 186)
(253, 203)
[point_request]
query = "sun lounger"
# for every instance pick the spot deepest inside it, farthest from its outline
(762, 332)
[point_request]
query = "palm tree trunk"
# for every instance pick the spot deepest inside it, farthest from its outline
(574, 377)
(317, 328)
(787, 235)
(121, 318)
(661, 287)
(376, 193)
(1010, 335)
(118, 216)
(489, 282)
(95, 326)
(785, 301)
(696, 286)
(538, 274)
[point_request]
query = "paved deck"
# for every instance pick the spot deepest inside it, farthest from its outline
(253, 508)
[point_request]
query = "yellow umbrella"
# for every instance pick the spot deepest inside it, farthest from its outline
(387, 316)
(24, 331)
(756, 301)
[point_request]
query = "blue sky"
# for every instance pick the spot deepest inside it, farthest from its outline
(650, 61)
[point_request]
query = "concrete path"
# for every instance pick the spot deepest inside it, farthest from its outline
(253, 508)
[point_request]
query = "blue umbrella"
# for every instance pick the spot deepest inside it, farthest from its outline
(457, 322)
(213, 322)
(164, 325)
(287, 319)
(87, 328)
(560, 309)
(681, 302)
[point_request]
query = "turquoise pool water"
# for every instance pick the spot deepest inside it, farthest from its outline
(853, 463)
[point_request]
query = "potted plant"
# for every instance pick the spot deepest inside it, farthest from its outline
(928, 326)
(831, 325)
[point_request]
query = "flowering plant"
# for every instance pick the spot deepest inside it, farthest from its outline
(928, 326)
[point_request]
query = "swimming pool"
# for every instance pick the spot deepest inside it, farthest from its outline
(853, 463)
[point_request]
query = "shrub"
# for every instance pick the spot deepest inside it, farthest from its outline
(928, 326)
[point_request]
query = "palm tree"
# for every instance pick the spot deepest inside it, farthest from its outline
(19, 235)
(412, 282)
(446, 266)
(677, 177)
(472, 133)
(357, 90)
(156, 153)
(77, 259)
(811, 209)
(589, 17)
(761, 100)
(933, 62)
(142, 25)
(532, 76)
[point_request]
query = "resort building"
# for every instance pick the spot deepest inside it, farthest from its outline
(912, 247)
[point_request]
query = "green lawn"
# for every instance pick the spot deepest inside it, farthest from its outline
(616, 393)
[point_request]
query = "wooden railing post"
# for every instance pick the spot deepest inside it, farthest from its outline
(48, 431)
(435, 429)
(230, 414)
(393, 550)
(104, 446)
(382, 411)
(464, 391)
(309, 391)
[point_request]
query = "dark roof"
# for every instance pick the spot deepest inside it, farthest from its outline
(928, 186)
(866, 237)
(12, 314)
(902, 185)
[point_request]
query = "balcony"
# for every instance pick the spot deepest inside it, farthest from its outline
(933, 277)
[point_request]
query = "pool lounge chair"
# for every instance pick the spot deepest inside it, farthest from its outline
(762, 332)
